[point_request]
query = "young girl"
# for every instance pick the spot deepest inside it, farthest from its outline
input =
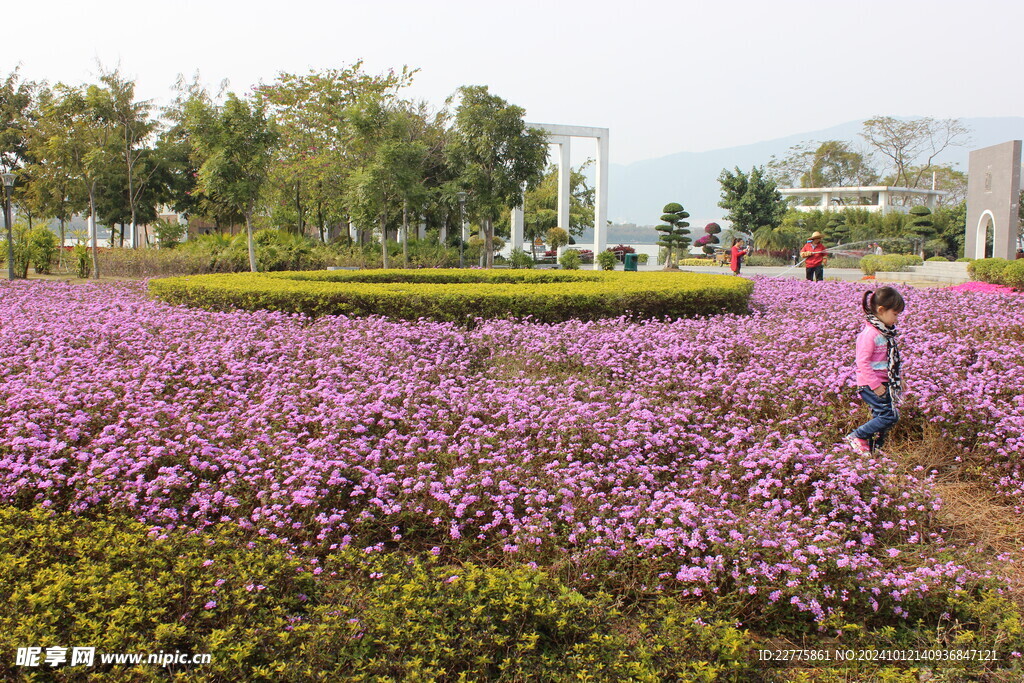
(878, 369)
(737, 252)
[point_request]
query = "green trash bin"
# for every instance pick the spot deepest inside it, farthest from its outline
(630, 262)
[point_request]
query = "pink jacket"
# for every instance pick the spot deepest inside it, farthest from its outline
(872, 360)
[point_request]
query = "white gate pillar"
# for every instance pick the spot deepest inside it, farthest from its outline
(518, 227)
(601, 198)
(564, 181)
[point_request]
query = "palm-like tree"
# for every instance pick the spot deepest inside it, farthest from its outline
(778, 238)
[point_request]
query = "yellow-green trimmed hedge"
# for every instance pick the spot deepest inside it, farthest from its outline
(464, 295)
(888, 263)
(263, 613)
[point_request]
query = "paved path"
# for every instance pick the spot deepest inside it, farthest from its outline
(850, 274)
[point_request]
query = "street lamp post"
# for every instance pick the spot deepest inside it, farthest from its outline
(462, 227)
(8, 186)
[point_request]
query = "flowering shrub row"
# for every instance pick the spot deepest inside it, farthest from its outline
(712, 467)
(462, 296)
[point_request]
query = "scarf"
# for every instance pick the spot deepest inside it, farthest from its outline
(892, 355)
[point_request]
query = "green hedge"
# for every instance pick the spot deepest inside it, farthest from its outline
(888, 263)
(265, 614)
(464, 295)
(998, 271)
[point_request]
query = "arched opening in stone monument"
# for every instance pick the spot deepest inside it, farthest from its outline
(984, 239)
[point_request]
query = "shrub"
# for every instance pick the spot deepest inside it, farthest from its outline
(520, 259)
(842, 262)
(988, 269)
(571, 260)
(943, 259)
(169, 234)
(264, 613)
(545, 296)
(607, 260)
(1013, 274)
(109, 583)
(83, 260)
(43, 248)
(964, 259)
(767, 260)
(888, 263)
(620, 250)
(643, 258)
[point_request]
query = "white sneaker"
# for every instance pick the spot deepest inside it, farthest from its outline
(859, 446)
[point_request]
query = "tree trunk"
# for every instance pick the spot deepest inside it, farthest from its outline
(384, 240)
(405, 235)
(94, 230)
(298, 207)
(60, 254)
(488, 243)
(251, 244)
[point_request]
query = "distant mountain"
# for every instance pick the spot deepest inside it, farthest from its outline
(637, 191)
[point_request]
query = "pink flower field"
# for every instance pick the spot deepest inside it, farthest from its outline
(694, 457)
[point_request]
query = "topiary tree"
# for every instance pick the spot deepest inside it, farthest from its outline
(838, 231)
(710, 238)
(675, 234)
(557, 237)
(921, 228)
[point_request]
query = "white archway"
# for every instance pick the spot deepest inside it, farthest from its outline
(981, 233)
(560, 135)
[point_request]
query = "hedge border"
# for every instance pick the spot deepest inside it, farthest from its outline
(455, 295)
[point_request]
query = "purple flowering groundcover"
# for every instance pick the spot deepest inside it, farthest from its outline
(698, 458)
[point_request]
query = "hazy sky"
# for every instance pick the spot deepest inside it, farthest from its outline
(666, 76)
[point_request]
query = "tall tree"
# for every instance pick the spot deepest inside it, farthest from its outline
(16, 102)
(390, 171)
(752, 200)
(314, 159)
(131, 127)
(910, 146)
(832, 163)
(73, 136)
(496, 156)
(234, 145)
(56, 190)
(16, 98)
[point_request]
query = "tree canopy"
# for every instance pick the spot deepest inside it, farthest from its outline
(752, 200)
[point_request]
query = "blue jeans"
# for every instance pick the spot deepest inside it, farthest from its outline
(883, 417)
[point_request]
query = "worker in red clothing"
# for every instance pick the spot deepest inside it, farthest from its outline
(736, 255)
(815, 257)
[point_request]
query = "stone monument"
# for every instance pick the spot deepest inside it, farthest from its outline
(993, 198)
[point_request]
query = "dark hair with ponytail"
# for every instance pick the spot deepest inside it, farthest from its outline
(884, 297)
